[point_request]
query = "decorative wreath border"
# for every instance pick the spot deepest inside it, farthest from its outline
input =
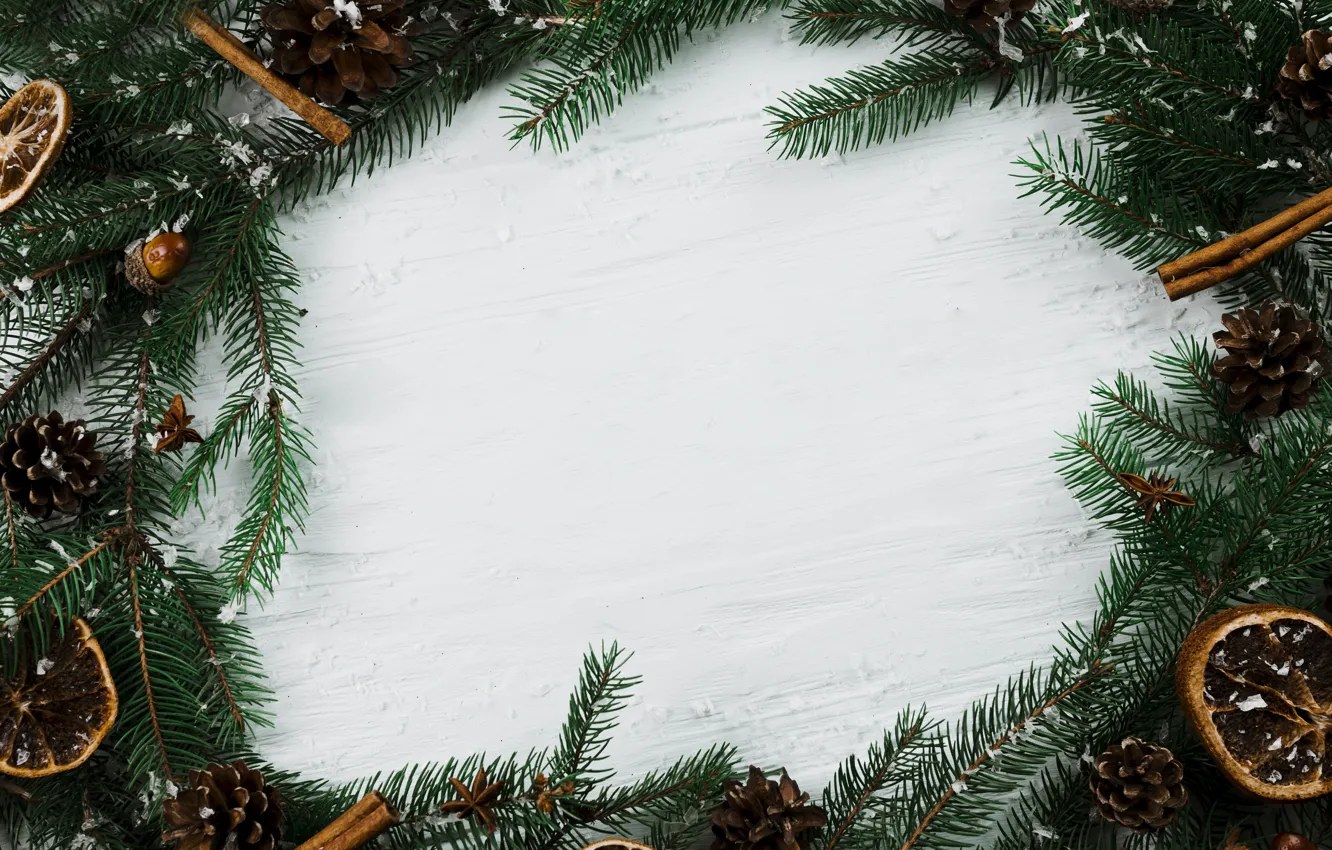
(1196, 126)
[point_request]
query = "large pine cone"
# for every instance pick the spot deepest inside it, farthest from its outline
(985, 14)
(49, 464)
(763, 815)
(331, 47)
(227, 806)
(1138, 785)
(1274, 361)
(1306, 78)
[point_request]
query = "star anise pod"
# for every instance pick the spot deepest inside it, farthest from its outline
(174, 430)
(1156, 494)
(475, 801)
(547, 797)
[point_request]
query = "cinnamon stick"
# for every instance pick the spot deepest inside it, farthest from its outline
(230, 48)
(1180, 287)
(357, 826)
(1223, 260)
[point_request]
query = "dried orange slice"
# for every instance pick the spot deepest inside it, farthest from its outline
(56, 710)
(1256, 683)
(33, 125)
(616, 844)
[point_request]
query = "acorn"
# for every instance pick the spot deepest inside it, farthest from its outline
(1292, 841)
(152, 265)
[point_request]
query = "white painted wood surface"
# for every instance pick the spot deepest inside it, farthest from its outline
(783, 428)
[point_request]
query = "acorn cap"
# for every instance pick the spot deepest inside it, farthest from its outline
(136, 270)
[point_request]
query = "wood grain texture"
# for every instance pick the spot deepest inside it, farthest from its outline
(782, 428)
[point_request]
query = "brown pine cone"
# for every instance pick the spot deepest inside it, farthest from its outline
(763, 815)
(985, 14)
(227, 806)
(329, 48)
(1306, 78)
(1138, 785)
(47, 463)
(1274, 362)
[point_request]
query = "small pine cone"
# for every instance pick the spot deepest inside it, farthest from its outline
(1138, 785)
(332, 50)
(1306, 78)
(1275, 360)
(49, 464)
(985, 14)
(763, 815)
(226, 806)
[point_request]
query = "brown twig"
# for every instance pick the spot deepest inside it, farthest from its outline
(234, 51)
(209, 646)
(110, 537)
(865, 794)
(133, 562)
(136, 434)
(33, 369)
(13, 533)
(279, 447)
(1082, 681)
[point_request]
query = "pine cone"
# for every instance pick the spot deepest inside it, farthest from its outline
(1306, 78)
(1138, 785)
(227, 806)
(47, 463)
(763, 815)
(985, 14)
(331, 47)
(1274, 360)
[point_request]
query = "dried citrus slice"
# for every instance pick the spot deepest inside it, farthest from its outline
(33, 124)
(1256, 683)
(56, 710)
(616, 844)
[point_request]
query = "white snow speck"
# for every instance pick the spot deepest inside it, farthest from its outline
(229, 611)
(1249, 703)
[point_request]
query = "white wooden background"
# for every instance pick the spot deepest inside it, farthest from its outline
(782, 428)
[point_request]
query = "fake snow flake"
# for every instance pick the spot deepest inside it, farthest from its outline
(349, 11)
(229, 612)
(1295, 164)
(179, 224)
(1257, 583)
(1075, 23)
(498, 7)
(959, 786)
(1042, 831)
(149, 317)
(23, 284)
(51, 461)
(44, 666)
(1250, 703)
(180, 128)
(240, 119)
(260, 174)
(1009, 51)
(1271, 163)
(1250, 33)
